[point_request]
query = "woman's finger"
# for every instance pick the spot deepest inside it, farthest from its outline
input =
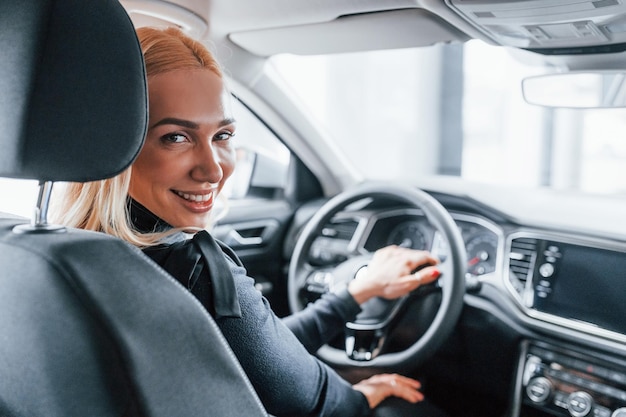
(405, 388)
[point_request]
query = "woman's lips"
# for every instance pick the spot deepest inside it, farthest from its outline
(195, 197)
(196, 202)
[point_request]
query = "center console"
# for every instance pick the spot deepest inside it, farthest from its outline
(557, 381)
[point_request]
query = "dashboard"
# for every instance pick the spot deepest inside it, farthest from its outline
(363, 232)
(563, 293)
(572, 281)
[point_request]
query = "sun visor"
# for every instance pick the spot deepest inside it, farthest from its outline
(395, 29)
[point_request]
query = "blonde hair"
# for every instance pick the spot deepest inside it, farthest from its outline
(103, 205)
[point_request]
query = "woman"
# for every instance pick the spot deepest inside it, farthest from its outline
(163, 204)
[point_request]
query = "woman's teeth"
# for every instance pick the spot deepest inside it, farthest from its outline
(199, 198)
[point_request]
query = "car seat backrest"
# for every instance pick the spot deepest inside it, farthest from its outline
(89, 326)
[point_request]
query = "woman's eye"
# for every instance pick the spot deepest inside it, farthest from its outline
(224, 135)
(175, 138)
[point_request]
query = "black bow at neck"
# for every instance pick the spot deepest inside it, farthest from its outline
(198, 263)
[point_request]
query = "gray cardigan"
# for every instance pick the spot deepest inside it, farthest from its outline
(274, 352)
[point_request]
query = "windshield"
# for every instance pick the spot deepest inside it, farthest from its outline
(456, 110)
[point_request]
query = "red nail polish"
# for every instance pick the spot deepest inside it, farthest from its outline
(435, 273)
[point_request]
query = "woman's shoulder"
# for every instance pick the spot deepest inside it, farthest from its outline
(229, 252)
(206, 242)
(202, 244)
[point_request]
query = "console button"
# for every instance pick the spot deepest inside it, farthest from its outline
(560, 399)
(546, 270)
(620, 412)
(579, 403)
(618, 377)
(539, 389)
(599, 411)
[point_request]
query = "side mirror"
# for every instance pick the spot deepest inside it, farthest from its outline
(256, 174)
(577, 90)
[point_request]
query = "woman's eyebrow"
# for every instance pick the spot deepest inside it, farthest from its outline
(175, 121)
(187, 123)
(227, 122)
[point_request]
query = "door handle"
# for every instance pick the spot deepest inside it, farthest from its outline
(233, 235)
(246, 234)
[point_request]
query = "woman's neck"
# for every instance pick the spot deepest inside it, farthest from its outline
(143, 220)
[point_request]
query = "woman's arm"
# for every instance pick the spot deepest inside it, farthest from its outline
(287, 378)
(389, 275)
(323, 320)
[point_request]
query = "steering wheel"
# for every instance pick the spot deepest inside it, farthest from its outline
(365, 336)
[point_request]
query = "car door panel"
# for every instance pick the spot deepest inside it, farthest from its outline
(256, 232)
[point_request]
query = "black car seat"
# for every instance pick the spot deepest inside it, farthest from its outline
(89, 326)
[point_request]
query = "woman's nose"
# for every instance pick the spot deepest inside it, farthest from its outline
(207, 167)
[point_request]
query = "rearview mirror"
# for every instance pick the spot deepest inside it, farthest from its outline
(578, 90)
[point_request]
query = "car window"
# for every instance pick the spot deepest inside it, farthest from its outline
(18, 196)
(262, 159)
(456, 110)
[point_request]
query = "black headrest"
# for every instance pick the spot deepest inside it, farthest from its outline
(73, 96)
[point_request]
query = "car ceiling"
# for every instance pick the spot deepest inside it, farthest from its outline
(564, 28)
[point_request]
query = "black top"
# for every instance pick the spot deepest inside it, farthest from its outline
(274, 353)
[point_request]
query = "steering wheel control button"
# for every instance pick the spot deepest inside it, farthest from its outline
(319, 282)
(579, 404)
(620, 412)
(539, 389)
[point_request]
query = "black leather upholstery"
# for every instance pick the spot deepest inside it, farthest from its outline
(89, 326)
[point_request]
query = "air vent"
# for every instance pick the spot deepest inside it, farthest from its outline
(340, 229)
(521, 262)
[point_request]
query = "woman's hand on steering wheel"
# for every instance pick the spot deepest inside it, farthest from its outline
(390, 274)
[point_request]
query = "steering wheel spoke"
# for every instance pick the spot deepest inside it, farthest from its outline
(366, 335)
(319, 281)
(364, 344)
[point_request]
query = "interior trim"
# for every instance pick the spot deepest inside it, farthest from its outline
(413, 27)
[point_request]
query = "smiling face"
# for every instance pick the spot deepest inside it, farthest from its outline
(188, 155)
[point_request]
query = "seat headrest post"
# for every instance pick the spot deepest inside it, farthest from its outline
(39, 222)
